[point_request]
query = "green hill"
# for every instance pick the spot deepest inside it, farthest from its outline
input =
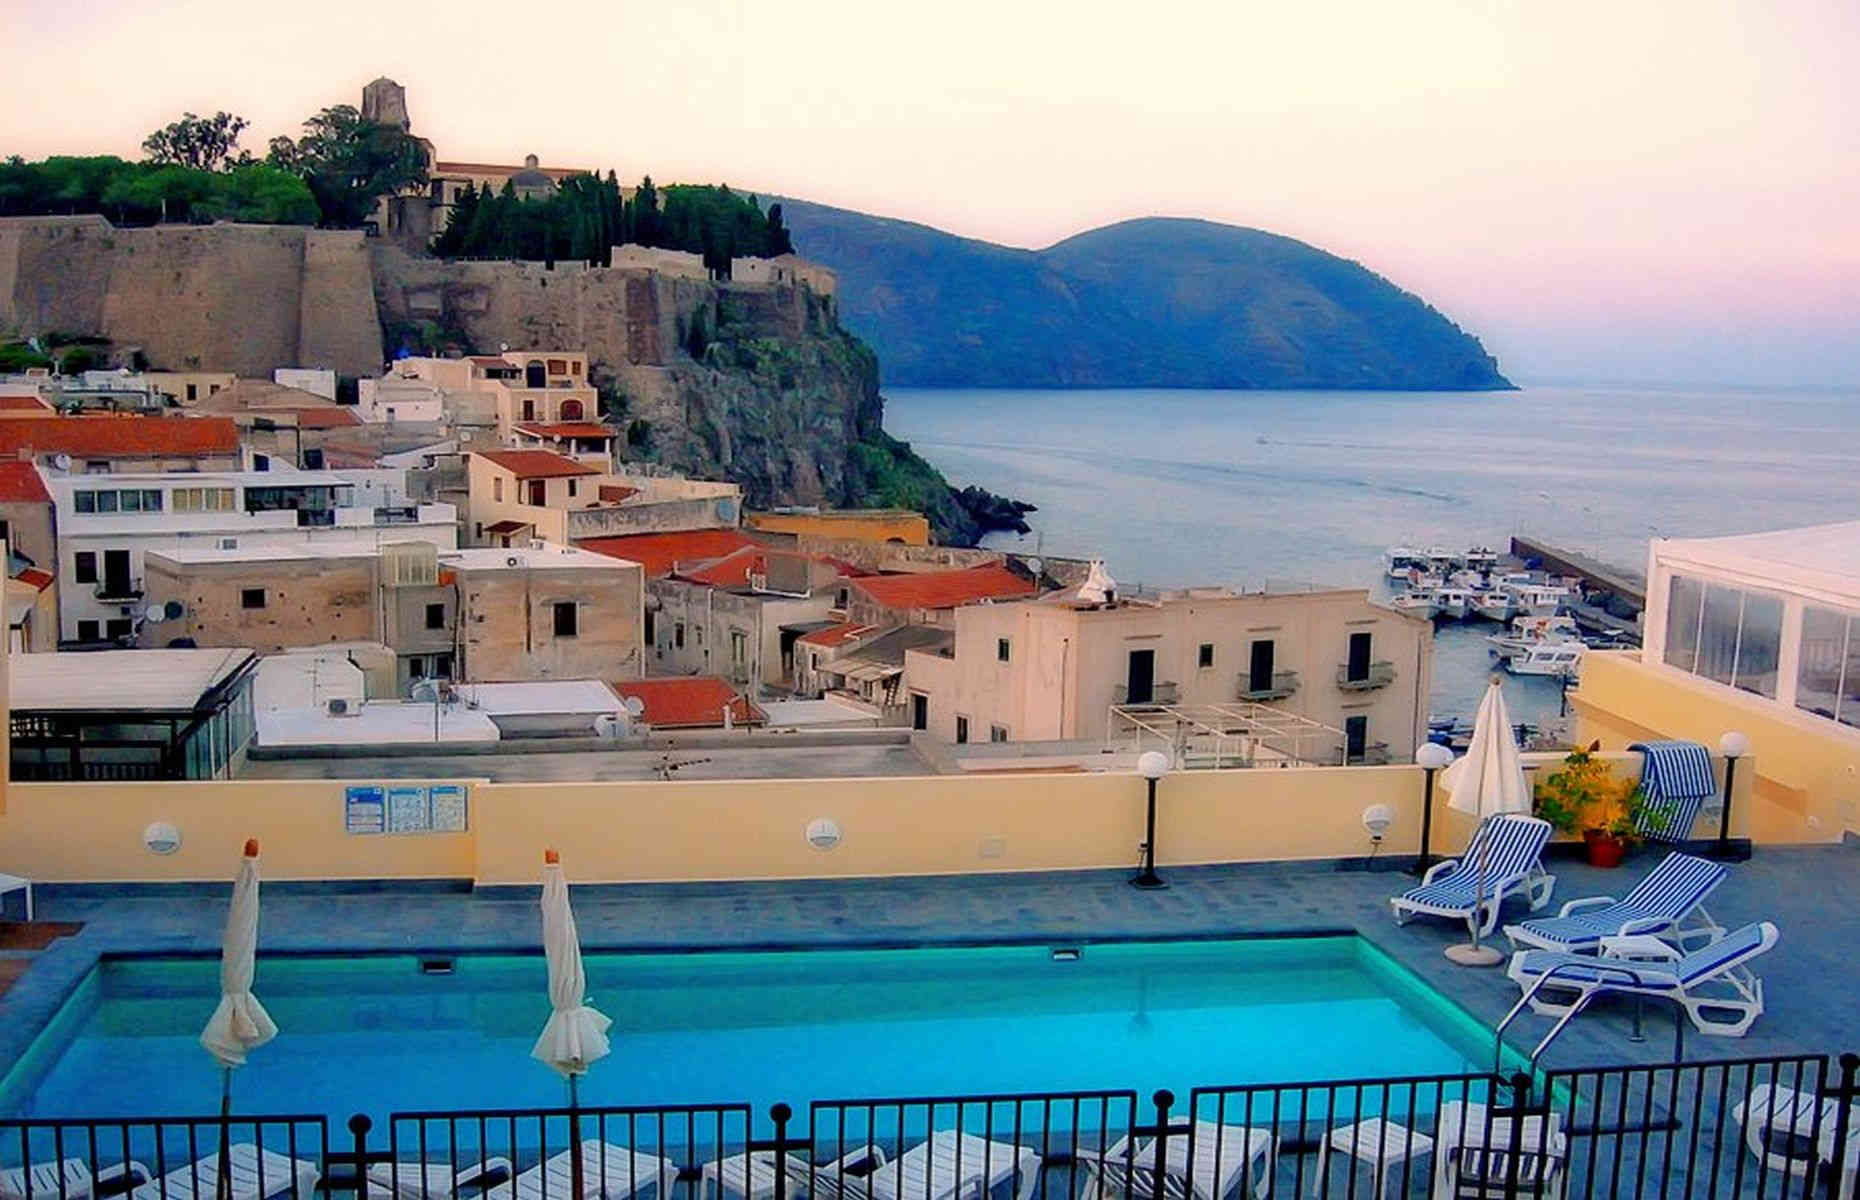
(1159, 302)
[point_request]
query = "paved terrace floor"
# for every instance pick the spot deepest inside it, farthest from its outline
(1812, 893)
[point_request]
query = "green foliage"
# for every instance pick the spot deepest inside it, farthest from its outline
(639, 435)
(146, 193)
(18, 356)
(348, 163)
(198, 143)
(587, 216)
(1585, 794)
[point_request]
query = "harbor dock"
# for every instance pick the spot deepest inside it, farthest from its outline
(1627, 585)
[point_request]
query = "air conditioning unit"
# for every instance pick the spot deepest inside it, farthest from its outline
(339, 707)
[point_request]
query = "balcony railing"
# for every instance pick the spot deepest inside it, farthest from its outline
(1281, 685)
(1160, 693)
(119, 591)
(1377, 675)
(1373, 754)
(403, 515)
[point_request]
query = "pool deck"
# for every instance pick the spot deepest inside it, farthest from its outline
(1812, 893)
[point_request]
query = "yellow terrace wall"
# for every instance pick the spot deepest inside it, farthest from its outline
(913, 529)
(1807, 769)
(704, 830)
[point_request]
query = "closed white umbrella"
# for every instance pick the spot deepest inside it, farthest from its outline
(576, 1035)
(1488, 782)
(240, 1023)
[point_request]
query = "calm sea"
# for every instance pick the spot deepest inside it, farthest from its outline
(1245, 488)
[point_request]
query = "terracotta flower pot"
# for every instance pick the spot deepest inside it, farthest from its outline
(1605, 849)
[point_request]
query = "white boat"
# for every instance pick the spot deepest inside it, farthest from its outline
(1417, 602)
(1452, 602)
(1547, 658)
(1494, 604)
(1527, 632)
(1537, 599)
(1402, 561)
(1480, 558)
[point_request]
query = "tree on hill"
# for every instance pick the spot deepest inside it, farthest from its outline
(349, 162)
(202, 143)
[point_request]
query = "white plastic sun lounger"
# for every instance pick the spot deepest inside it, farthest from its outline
(608, 1172)
(438, 1180)
(1723, 965)
(1669, 903)
(1780, 1122)
(1227, 1158)
(1511, 847)
(948, 1166)
(1465, 1130)
(752, 1176)
(254, 1175)
(69, 1179)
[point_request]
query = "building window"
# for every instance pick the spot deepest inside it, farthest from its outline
(997, 733)
(564, 618)
(87, 631)
(416, 667)
(497, 489)
(529, 410)
(1003, 651)
(435, 616)
(739, 647)
(84, 502)
(116, 628)
(251, 597)
(1355, 739)
(962, 731)
(1724, 634)
(193, 392)
(840, 597)
(651, 638)
(697, 635)
(106, 501)
(571, 487)
(1827, 681)
(84, 570)
(442, 666)
(1205, 656)
(678, 634)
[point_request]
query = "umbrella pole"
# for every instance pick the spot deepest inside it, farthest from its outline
(577, 1169)
(223, 1188)
(1472, 954)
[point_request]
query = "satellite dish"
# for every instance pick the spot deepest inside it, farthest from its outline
(1036, 566)
(635, 706)
(154, 614)
(726, 511)
(173, 610)
(62, 461)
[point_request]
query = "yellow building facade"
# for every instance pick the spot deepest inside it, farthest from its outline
(859, 524)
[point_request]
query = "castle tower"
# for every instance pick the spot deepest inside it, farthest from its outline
(385, 103)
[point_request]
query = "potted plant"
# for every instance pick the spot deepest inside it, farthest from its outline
(1585, 796)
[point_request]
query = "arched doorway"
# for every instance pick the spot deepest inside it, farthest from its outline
(571, 410)
(534, 375)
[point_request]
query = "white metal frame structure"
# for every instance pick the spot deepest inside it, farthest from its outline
(1220, 736)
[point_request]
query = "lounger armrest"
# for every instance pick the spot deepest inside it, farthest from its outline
(1640, 946)
(1440, 868)
(1643, 927)
(1585, 902)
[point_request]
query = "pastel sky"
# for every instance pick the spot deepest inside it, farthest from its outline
(1634, 190)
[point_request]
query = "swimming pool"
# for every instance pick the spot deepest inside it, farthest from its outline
(379, 1034)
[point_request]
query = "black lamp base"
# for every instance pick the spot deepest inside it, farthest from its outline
(1149, 881)
(1730, 850)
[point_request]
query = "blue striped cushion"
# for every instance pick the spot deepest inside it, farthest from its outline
(1677, 778)
(1668, 893)
(1694, 968)
(1514, 846)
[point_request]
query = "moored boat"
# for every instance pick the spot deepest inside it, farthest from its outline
(1547, 658)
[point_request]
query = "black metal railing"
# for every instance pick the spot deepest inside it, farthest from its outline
(1781, 1126)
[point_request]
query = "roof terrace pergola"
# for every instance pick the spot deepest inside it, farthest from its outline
(1218, 736)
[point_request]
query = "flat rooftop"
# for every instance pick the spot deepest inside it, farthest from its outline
(693, 756)
(553, 557)
(540, 698)
(119, 680)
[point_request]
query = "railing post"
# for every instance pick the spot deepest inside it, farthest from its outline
(359, 1125)
(781, 1114)
(1520, 1105)
(1844, 1097)
(1159, 1159)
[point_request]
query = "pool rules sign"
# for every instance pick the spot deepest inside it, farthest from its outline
(404, 808)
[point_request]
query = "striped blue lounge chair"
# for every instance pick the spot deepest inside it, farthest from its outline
(1513, 847)
(1668, 903)
(1647, 966)
(1677, 779)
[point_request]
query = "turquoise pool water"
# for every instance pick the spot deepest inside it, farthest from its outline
(375, 1034)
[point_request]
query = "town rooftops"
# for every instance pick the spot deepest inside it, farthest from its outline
(689, 702)
(20, 483)
(25, 404)
(946, 589)
(119, 437)
(536, 464)
(735, 569)
(500, 528)
(658, 553)
(122, 680)
(329, 417)
(566, 429)
(837, 634)
(539, 697)
(551, 557)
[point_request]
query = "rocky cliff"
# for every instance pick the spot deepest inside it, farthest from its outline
(755, 383)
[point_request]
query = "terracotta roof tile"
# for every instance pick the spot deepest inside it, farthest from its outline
(689, 702)
(658, 553)
(536, 464)
(945, 589)
(614, 493)
(120, 437)
(38, 578)
(20, 482)
(732, 570)
(321, 418)
(30, 404)
(500, 528)
(837, 635)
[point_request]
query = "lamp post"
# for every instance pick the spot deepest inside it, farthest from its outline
(1430, 757)
(1152, 765)
(1733, 745)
